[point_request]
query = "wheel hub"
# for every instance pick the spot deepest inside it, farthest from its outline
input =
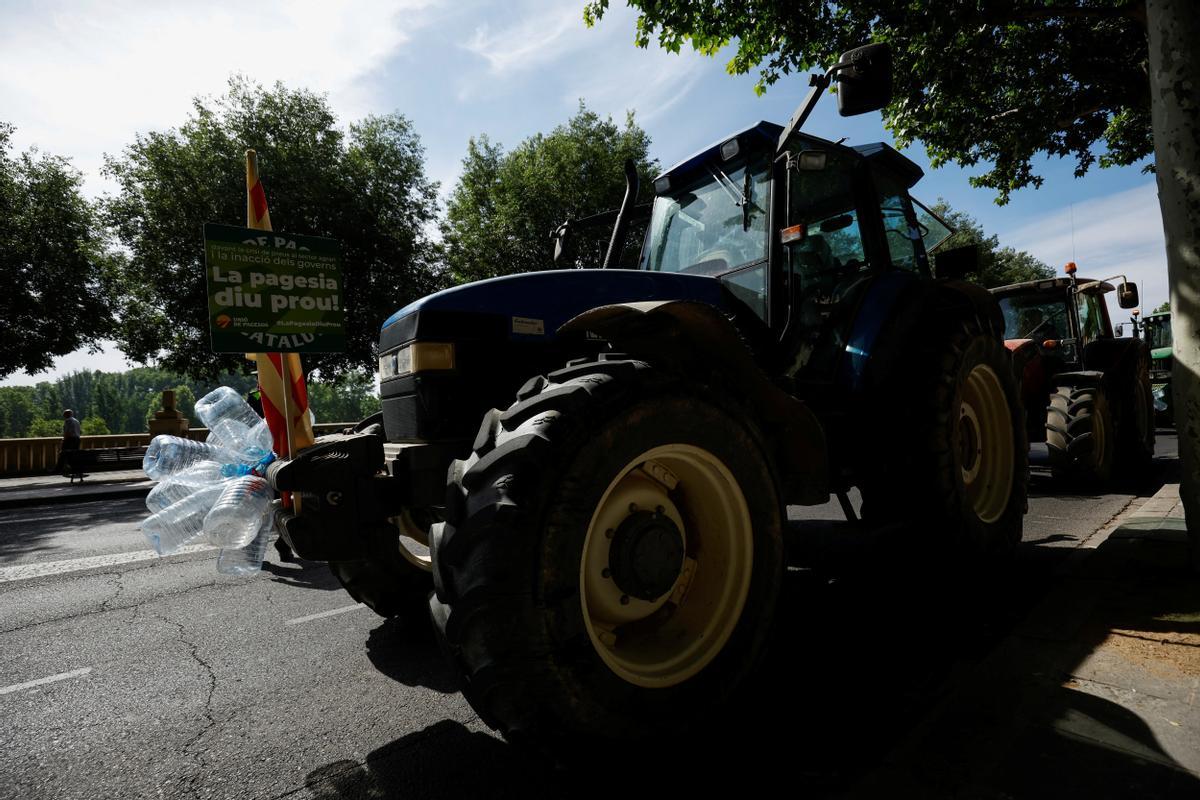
(646, 555)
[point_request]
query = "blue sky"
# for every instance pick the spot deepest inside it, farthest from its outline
(81, 79)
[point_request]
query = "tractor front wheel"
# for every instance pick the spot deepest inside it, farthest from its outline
(611, 557)
(1080, 436)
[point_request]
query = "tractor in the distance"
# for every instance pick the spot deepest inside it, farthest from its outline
(590, 468)
(1155, 330)
(1086, 393)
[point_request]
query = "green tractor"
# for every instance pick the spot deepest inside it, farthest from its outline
(1156, 330)
(1086, 392)
(590, 468)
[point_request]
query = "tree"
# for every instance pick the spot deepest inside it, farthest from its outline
(365, 187)
(40, 428)
(997, 82)
(94, 426)
(351, 398)
(56, 296)
(998, 266)
(505, 205)
(1162, 307)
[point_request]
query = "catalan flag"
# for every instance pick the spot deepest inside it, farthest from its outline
(280, 375)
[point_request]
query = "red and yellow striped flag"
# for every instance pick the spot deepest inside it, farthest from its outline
(280, 375)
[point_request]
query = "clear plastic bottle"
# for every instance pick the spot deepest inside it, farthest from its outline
(249, 559)
(166, 493)
(181, 522)
(167, 456)
(238, 512)
(233, 423)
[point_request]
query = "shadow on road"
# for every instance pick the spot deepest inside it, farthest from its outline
(301, 573)
(27, 530)
(876, 648)
(406, 652)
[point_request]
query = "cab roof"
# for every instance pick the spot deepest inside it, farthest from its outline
(766, 134)
(1055, 284)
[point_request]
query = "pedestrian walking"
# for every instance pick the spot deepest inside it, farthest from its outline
(72, 434)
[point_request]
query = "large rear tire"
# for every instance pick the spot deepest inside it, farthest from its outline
(1080, 435)
(395, 579)
(611, 557)
(952, 453)
(1135, 442)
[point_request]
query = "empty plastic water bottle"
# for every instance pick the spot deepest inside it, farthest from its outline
(181, 522)
(238, 512)
(167, 493)
(168, 456)
(249, 559)
(233, 423)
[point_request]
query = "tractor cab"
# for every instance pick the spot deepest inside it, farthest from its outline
(1061, 316)
(799, 234)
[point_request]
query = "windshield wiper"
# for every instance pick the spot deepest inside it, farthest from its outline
(730, 188)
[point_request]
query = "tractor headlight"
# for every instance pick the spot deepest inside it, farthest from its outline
(416, 357)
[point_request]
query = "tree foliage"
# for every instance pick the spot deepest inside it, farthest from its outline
(998, 266)
(990, 81)
(351, 398)
(505, 205)
(56, 295)
(366, 188)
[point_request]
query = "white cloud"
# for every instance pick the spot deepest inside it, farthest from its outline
(108, 359)
(81, 79)
(1120, 233)
(535, 40)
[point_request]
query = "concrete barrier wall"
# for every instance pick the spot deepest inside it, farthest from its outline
(31, 456)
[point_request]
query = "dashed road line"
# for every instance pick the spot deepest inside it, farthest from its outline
(324, 614)
(62, 676)
(20, 572)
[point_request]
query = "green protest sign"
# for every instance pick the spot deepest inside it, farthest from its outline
(273, 292)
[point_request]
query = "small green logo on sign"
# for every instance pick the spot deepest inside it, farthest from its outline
(273, 292)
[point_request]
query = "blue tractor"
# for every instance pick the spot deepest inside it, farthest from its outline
(590, 468)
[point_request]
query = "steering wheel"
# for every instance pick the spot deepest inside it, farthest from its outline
(711, 262)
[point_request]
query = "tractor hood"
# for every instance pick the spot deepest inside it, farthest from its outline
(1159, 353)
(531, 306)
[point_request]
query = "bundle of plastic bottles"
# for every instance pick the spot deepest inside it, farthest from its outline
(214, 492)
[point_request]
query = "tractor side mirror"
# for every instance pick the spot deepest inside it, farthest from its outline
(1127, 294)
(864, 77)
(957, 262)
(560, 239)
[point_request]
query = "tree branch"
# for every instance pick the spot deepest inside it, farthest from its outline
(1135, 11)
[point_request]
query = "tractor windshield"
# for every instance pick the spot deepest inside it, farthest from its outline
(714, 225)
(1158, 332)
(1035, 316)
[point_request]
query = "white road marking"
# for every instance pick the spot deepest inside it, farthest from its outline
(324, 614)
(62, 676)
(20, 572)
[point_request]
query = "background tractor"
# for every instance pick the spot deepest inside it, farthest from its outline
(1156, 332)
(591, 467)
(1086, 393)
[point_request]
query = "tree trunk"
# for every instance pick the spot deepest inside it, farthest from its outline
(1174, 30)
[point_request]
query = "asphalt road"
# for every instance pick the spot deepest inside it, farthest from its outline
(123, 675)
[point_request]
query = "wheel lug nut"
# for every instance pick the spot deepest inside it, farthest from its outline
(659, 510)
(632, 507)
(606, 573)
(624, 599)
(608, 534)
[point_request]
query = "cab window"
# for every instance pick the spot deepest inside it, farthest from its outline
(821, 201)
(1091, 316)
(899, 224)
(715, 224)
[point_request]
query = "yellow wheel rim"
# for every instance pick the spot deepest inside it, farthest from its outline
(674, 527)
(985, 443)
(414, 541)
